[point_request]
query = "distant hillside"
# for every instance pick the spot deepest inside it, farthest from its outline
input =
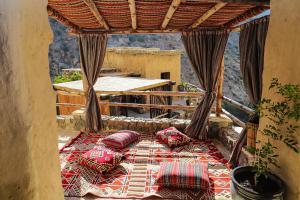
(63, 53)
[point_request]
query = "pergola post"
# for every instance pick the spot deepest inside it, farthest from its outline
(209, 13)
(132, 14)
(92, 6)
(220, 88)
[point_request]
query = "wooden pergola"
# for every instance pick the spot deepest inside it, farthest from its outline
(155, 16)
(152, 16)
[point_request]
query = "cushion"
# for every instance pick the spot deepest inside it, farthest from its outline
(183, 175)
(121, 139)
(100, 159)
(172, 137)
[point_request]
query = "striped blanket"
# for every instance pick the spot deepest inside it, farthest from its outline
(135, 177)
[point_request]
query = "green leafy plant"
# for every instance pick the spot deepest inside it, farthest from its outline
(74, 76)
(188, 87)
(283, 116)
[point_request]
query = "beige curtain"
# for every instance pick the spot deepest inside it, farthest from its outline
(252, 44)
(92, 49)
(205, 50)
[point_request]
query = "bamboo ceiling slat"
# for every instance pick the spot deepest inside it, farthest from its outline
(117, 16)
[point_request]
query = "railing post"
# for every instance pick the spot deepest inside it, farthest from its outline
(169, 99)
(220, 87)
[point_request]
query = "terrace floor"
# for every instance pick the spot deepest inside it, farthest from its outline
(66, 136)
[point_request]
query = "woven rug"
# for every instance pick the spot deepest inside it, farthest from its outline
(135, 177)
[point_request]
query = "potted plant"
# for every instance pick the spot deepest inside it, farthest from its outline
(257, 181)
(181, 86)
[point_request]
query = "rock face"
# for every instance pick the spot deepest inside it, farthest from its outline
(63, 53)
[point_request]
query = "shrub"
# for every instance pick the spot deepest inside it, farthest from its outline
(74, 76)
(283, 116)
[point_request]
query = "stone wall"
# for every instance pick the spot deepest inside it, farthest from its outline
(77, 122)
(123, 123)
(228, 137)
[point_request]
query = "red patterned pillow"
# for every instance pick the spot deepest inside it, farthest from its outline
(172, 137)
(183, 175)
(100, 159)
(121, 139)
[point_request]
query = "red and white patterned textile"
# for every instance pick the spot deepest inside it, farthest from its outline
(135, 177)
(121, 139)
(100, 159)
(183, 175)
(172, 137)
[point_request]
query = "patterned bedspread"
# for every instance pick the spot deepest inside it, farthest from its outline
(135, 177)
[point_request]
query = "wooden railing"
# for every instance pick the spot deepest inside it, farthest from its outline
(239, 106)
(74, 92)
(135, 105)
(63, 90)
(232, 102)
(198, 94)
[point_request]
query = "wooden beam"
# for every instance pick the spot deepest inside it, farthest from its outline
(95, 11)
(74, 92)
(239, 105)
(173, 7)
(161, 116)
(234, 118)
(135, 105)
(220, 89)
(209, 13)
(254, 2)
(138, 31)
(132, 13)
(57, 16)
(236, 29)
(130, 31)
(246, 15)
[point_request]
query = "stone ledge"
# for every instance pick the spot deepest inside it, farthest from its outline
(228, 137)
(77, 121)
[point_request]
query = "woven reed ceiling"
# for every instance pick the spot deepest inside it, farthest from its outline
(150, 16)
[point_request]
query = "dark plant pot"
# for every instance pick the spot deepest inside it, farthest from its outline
(267, 189)
(180, 88)
(188, 102)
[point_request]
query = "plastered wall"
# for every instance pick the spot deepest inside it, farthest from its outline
(29, 165)
(282, 60)
(149, 62)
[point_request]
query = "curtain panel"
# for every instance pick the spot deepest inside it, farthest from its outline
(252, 47)
(205, 49)
(92, 48)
